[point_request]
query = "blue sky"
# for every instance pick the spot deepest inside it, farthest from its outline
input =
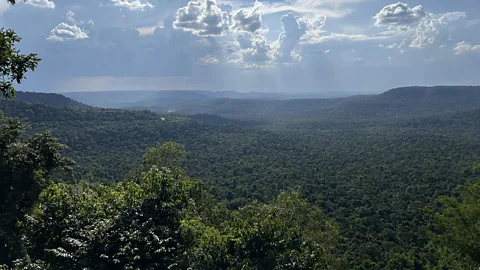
(291, 46)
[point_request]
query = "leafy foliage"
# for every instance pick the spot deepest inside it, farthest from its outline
(458, 228)
(125, 226)
(163, 220)
(24, 168)
(169, 155)
(49, 99)
(23, 164)
(286, 234)
(13, 64)
(394, 104)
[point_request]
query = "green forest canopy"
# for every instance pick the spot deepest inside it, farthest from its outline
(378, 191)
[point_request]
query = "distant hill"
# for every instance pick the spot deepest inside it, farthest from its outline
(434, 93)
(49, 99)
(412, 101)
(166, 100)
(113, 99)
(259, 109)
(405, 102)
(173, 100)
(36, 112)
(457, 121)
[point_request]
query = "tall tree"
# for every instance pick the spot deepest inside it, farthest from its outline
(24, 163)
(24, 168)
(13, 64)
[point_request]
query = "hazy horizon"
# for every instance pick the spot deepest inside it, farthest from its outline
(312, 94)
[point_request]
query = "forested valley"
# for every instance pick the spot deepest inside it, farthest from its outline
(386, 181)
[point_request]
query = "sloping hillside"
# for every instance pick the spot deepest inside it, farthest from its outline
(261, 109)
(166, 100)
(218, 120)
(413, 101)
(403, 103)
(49, 99)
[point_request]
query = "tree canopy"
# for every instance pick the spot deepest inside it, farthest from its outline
(457, 229)
(25, 163)
(164, 220)
(13, 64)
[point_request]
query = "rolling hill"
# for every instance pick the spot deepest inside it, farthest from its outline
(49, 99)
(412, 101)
(404, 103)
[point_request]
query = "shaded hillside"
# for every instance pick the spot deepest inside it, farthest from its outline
(49, 99)
(96, 138)
(434, 94)
(162, 100)
(457, 121)
(400, 103)
(412, 101)
(35, 112)
(110, 99)
(260, 109)
(408, 102)
(184, 100)
(218, 120)
(170, 101)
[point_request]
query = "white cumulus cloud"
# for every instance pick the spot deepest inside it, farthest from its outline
(252, 45)
(203, 18)
(41, 3)
(293, 30)
(399, 15)
(465, 47)
(249, 20)
(68, 30)
(254, 48)
(434, 29)
(64, 31)
(138, 5)
(260, 52)
(417, 28)
(209, 60)
(330, 8)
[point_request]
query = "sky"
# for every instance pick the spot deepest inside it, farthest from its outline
(292, 46)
